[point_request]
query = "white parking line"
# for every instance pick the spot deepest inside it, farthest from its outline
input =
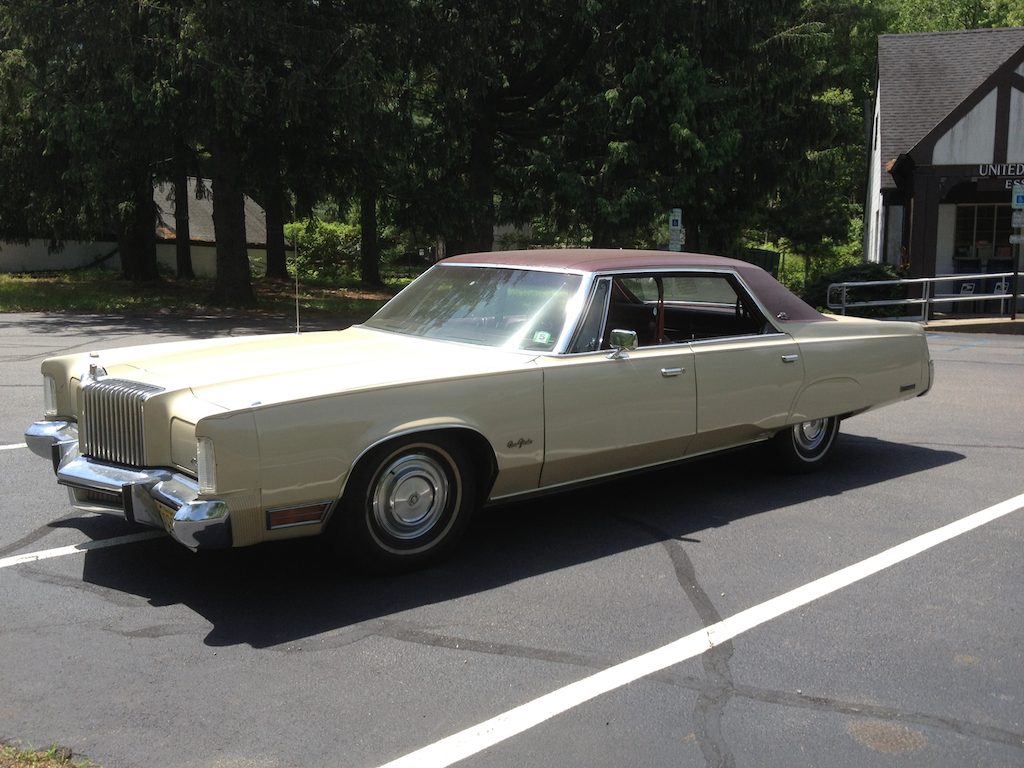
(46, 554)
(12, 447)
(480, 737)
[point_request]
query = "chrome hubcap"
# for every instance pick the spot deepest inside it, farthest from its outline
(411, 496)
(810, 434)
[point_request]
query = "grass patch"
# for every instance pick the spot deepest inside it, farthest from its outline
(102, 292)
(54, 757)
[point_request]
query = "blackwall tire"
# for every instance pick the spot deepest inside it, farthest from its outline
(807, 446)
(405, 505)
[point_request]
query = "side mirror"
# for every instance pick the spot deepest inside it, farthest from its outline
(621, 341)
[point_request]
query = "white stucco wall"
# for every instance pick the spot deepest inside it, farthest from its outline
(34, 257)
(204, 259)
(874, 216)
(1015, 145)
(972, 140)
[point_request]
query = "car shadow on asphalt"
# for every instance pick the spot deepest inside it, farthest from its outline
(284, 592)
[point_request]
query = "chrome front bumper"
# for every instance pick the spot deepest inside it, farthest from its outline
(160, 498)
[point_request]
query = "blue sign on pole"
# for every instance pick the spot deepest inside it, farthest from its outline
(675, 229)
(1018, 196)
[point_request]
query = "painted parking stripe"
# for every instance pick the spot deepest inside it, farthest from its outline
(46, 554)
(12, 447)
(966, 346)
(485, 735)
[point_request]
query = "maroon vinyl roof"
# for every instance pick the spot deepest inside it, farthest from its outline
(777, 299)
(594, 260)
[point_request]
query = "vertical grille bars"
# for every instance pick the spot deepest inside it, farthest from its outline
(112, 426)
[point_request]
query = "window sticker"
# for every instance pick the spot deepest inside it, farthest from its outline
(542, 337)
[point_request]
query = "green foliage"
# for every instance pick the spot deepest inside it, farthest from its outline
(943, 15)
(586, 120)
(54, 757)
(327, 251)
(816, 292)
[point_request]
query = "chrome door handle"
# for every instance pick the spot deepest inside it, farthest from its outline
(666, 372)
(790, 358)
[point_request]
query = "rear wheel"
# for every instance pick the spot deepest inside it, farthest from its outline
(406, 503)
(805, 447)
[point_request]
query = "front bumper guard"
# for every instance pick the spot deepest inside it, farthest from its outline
(160, 498)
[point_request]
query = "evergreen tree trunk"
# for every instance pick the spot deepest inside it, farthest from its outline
(234, 282)
(369, 246)
(182, 231)
(274, 204)
(481, 187)
(126, 251)
(137, 238)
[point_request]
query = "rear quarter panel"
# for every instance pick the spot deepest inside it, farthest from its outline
(853, 364)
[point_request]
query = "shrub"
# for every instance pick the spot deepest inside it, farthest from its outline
(816, 292)
(326, 250)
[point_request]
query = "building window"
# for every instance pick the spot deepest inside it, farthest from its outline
(983, 235)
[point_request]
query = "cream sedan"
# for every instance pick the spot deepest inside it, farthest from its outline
(491, 377)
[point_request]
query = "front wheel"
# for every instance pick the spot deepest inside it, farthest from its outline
(807, 446)
(406, 503)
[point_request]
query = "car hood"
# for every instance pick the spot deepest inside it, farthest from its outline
(238, 373)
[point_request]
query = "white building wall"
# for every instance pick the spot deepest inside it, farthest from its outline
(204, 259)
(1015, 146)
(874, 216)
(972, 140)
(34, 257)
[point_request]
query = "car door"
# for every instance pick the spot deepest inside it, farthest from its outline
(745, 388)
(747, 374)
(605, 413)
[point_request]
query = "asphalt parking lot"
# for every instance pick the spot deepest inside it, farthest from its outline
(715, 614)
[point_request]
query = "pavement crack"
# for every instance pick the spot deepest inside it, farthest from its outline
(409, 633)
(714, 696)
(42, 575)
(39, 533)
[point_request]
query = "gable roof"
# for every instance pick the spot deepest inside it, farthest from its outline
(200, 215)
(923, 77)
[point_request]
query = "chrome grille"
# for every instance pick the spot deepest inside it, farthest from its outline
(112, 426)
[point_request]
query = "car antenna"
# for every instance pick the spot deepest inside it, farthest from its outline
(295, 264)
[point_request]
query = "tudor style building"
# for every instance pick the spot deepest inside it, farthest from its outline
(947, 145)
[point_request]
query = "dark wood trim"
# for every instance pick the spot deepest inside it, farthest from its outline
(1002, 137)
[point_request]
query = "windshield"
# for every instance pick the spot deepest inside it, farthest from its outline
(491, 306)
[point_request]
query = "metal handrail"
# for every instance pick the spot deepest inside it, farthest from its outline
(928, 297)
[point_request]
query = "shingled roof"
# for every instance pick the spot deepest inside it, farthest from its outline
(200, 215)
(923, 77)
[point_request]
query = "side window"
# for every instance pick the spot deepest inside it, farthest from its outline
(588, 339)
(708, 306)
(701, 290)
(633, 306)
(676, 308)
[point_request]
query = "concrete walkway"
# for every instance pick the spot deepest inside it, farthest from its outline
(978, 325)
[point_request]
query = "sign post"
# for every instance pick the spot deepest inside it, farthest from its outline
(675, 229)
(1017, 203)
